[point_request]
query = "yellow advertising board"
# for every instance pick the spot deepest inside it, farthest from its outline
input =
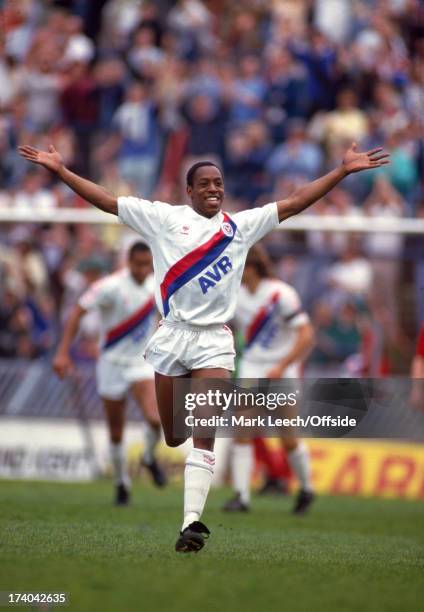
(368, 468)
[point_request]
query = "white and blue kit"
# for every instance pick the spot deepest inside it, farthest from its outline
(198, 263)
(268, 319)
(128, 318)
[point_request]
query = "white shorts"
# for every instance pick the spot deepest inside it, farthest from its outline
(176, 349)
(255, 369)
(115, 379)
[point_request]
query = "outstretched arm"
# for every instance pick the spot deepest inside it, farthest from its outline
(52, 160)
(310, 193)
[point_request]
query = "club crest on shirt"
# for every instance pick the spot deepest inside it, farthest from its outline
(185, 230)
(227, 229)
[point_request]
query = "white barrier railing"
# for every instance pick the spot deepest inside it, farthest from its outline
(303, 222)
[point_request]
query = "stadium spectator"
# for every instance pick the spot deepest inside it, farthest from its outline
(204, 79)
(205, 119)
(33, 195)
(332, 17)
(287, 92)
(145, 57)
(247, 152)
(388, 111)
(10, 78)
(27, 266)
(351, 276)
(26, 311)
(137, 139)
(191, 21)
(15, 124)
(403, 171)
(109, 74)
(338, 338)
(384, 250)
(346, 122)
(14, 328)
(79, 105)
(42, 84)
(79, 48)
(297, 157)
(247, 92)
(319, 57)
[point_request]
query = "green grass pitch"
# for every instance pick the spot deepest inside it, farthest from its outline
(348, 554)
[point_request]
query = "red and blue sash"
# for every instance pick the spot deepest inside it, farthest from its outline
(261, 319)
(117, 333)
(194, 262)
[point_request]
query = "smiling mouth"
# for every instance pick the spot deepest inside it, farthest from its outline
(213, 199)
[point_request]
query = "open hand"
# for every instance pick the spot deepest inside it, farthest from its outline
(353, 161)
(52, 160)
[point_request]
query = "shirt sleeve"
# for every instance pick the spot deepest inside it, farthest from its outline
(420, 345)
(100, 294)
(290, 308)
(257, 222)
(144, 217)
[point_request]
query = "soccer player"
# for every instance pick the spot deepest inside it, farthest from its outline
(278, 336)
(198, 257)
(128, 317)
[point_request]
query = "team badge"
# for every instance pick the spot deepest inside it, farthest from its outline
(227, 229)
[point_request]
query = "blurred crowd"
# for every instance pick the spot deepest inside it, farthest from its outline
(131, 92)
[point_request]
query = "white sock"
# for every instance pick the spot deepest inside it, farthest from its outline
(151, 438)
(300, 464)
(222, 450)
(119, 464)
(241, 469)
(197, 481)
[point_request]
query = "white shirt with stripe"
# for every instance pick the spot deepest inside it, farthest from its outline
(268, 320)
(128, 315)
(198, 262)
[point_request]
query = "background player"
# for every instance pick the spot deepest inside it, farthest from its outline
(128, 317)
(278, 336)
(199, 254)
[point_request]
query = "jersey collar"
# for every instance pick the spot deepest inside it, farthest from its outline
(219, 215)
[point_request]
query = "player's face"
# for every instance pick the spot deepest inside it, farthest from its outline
(207, 193)
(140, 265)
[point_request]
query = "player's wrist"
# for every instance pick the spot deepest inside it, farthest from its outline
(343, 170)
(61, 170)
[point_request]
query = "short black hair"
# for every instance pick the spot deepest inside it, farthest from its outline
(138, 247)
(192, 171)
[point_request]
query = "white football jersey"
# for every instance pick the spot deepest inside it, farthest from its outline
(128, 315)
(198, 262)
(268, 319)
